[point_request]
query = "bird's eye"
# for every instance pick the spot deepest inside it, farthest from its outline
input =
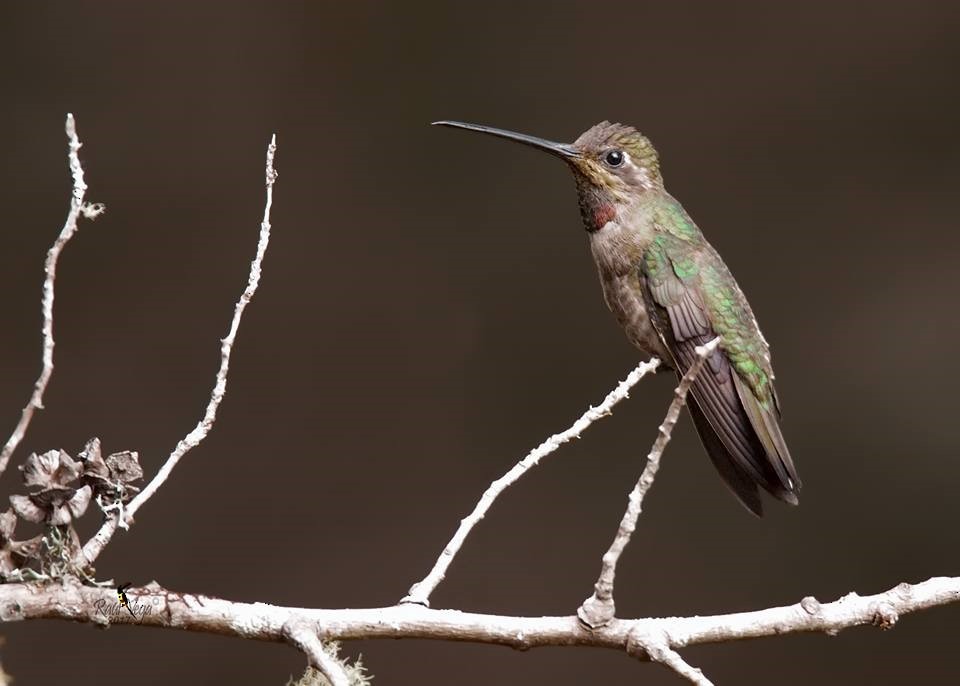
(614, 158)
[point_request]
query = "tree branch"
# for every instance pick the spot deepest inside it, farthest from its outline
(599, 608)
(77, 207)
(420, 592)
(654, 639)
(159, 607)
(304, 637)
(656, 648)
(123, 518)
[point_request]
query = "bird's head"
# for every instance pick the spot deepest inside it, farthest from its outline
(612, 165)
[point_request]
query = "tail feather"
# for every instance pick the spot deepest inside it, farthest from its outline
(743, 440)
(744, 487)
(767, 429)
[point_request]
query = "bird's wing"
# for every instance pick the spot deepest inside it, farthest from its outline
(733, 395)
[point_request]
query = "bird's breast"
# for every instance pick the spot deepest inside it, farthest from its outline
(624, 297)
(617, 250)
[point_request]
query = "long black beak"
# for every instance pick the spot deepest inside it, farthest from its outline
(563, 150)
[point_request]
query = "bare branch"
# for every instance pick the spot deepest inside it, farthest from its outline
(420, 592)
(158, 607)
(656, 648)
(95, 545)
(310, 630)
(599, 608)
(77, 207)
(305, 638)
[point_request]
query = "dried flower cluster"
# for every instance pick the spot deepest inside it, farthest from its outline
(59, 491)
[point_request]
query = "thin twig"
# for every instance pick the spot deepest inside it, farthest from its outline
(95, 545)
(302, 636)
(656, 648)
(420, 592)
(77, 208)
(159, 607)
(599, 608)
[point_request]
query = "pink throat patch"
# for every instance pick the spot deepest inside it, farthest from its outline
(603, 214)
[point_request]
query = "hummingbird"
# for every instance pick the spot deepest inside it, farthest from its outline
(670, 291)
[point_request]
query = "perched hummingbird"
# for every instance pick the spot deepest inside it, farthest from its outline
(670, 291)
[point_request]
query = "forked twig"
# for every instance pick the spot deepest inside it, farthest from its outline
(420, 592)
(599, 608)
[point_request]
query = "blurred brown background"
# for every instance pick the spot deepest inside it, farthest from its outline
(429, 312)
